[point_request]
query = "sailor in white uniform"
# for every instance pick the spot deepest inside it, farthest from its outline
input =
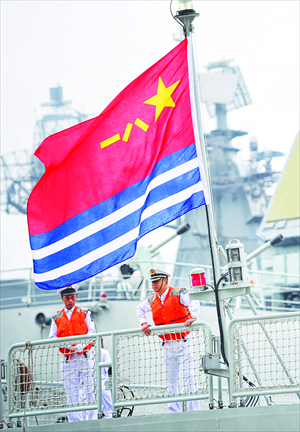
(106, 394)
(77, 361)
(173, 304)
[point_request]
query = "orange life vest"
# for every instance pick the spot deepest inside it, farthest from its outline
(76, 326)
(171, 312)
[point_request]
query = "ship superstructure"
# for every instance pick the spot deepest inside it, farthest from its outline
(240, 195)
(259, 371)
(21, 170)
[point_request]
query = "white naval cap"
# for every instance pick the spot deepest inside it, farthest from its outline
(157, 273)
(70, 289)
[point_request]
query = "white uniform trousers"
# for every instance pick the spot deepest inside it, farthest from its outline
(79, 369)
(106, 401)
(178, 355)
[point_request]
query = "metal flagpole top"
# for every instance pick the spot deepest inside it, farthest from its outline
(186, 14)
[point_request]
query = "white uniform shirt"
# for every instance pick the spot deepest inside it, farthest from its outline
(105, 357)
(88, 320)
(145, 307)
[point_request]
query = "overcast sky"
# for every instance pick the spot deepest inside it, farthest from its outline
(93, 49)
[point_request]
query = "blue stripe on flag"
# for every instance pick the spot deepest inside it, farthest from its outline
(95, 267)
(168, 215)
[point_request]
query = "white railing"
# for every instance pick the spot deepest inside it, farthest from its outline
(267, 287)
(139, 364)
(36, 387)
(112, 284)
(266, 350)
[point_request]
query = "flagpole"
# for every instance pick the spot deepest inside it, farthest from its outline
(186, 15)
(208, 207)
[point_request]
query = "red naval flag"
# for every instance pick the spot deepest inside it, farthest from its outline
(114, 178)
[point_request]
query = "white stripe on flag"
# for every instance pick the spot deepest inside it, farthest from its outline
(116, 216)
(120, 241)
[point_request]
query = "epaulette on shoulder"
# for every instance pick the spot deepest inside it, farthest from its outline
(82, 309)
(175, 291)
(151, 297)
(183, 290)
(57, 315)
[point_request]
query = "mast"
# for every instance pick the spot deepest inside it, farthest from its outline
(186, 15)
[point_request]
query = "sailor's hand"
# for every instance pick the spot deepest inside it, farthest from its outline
(145, 329)
(189, 322)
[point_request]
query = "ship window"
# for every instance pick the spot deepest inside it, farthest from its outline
(281, 224)
(269, 225)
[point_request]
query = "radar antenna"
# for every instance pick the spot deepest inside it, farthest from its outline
(21, 170)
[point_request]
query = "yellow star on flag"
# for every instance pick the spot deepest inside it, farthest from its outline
(163, 97)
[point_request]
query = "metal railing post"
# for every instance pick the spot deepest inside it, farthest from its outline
(99, 376)
(210, 377)
(114, 375)
(220, 390)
